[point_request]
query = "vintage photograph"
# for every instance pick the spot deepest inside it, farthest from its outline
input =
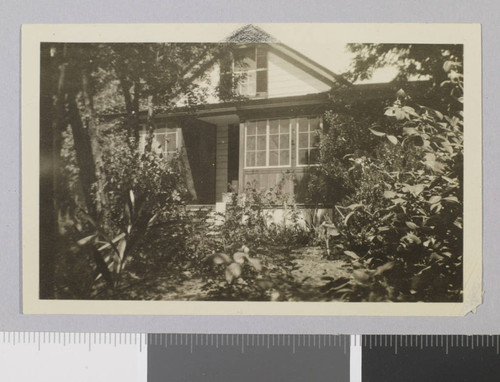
(253, 168)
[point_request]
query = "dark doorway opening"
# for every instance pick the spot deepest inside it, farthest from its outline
(233, 154)
(200, 143)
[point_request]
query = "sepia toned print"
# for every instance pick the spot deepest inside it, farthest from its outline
(241, 175)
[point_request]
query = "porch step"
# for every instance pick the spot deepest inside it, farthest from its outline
(200, 207)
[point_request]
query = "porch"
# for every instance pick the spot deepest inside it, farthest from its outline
(221, 156)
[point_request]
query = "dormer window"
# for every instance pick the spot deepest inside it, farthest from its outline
(250, 71)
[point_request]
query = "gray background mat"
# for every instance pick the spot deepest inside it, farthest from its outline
(13, 13)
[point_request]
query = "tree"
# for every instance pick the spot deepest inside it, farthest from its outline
(437, 69)
(438, 63)
(80, 83)
(151, 78)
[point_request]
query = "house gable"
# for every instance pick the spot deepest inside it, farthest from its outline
(289, 72)
(272, 69)
(287, 79)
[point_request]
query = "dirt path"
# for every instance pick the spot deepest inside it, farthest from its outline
(310, 267)
(189, 290)
(297, 275)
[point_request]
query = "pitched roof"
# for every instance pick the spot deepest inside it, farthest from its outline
(249, 34)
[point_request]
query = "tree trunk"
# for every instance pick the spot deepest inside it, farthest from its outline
(134, 117)
(150, 125)
(91, 123)
(86, 145)
(84, 156)
(132, 107)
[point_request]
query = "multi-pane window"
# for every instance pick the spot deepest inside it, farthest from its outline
(267, 143)
(165, 142)
(250, 70)
(308, 138)
(279, 142)
(256, 144)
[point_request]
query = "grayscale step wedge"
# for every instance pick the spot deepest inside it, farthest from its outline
(240, 357)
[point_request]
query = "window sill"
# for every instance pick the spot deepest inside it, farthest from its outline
(266, 167)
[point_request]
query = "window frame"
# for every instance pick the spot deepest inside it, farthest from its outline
(168, 131)
(267, 151)
(245, 72)
(163, 130)
(309, 131)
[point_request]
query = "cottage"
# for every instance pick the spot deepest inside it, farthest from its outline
(270, 131)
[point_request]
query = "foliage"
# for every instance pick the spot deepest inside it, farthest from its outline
(410, 59)
(75, 277)
(343, 140)
(403, 224)
(396, 181)
(250, 221)
(136, 72)
(156, 181)
(141, 194)
(247, 222)
(114, 194)
(417, 62)
(235, 264)
(399, 177)
(262, 277)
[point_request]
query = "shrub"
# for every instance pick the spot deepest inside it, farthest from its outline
(137, 196)
(248, 220)
(404, 222)
(403, 225)
(247, 224)
(343, 141)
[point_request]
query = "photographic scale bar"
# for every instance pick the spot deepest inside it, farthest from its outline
(58, 356)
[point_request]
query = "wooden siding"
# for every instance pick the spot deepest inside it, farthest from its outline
(266, 179)
(221, 162)
(241, 166)
(286, 79)
(283, 79)
(295, 181)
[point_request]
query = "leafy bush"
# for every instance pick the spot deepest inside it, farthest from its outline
(247, 223)
(236, 272)
(404, 221)
(142, 193)
(343, 141)
(248, 219)
(137, 197)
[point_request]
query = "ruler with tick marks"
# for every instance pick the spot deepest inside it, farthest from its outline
(158, 357)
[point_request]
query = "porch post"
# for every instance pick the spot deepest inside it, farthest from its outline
(221, 162)
(241, 165)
